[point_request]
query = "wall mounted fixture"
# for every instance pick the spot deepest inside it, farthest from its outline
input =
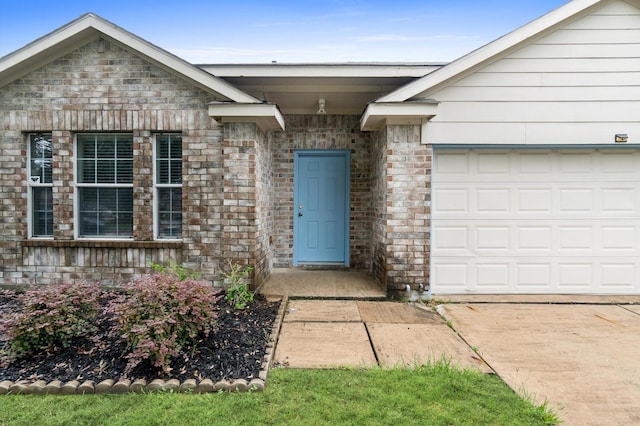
(622, 137)
(321, 109)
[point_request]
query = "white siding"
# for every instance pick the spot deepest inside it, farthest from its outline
(580, 84)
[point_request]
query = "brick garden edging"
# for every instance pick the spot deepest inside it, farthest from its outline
(111, 386)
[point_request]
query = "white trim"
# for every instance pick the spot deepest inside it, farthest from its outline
(267, 116)
(378, 114)
(90, 26)
(321, 70)
(492, 50)
(77, 185)
(156, 185)
(30, 187)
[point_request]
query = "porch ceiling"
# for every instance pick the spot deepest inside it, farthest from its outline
(296, 89)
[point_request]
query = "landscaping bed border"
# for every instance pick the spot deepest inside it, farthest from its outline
(111, 386)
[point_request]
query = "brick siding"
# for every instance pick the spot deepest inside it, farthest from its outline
(322, 132)
(112, 91)
(237, 179)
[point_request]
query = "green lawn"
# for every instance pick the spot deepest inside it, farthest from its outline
(430, 395)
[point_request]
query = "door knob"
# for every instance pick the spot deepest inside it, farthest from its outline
(299, 213)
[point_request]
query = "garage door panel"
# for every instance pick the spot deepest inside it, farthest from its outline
(616, 200)
(451, 200)
(618, 163)
(619, 276)
(576, 238)
(576, 200)
(493, 237)
(572, 163)
(534, 238)
(493, 276)
(448, 238)
(576, 276)
(493, 200)
(622, 238)
(492, 164)
(536, 222)
(535, 200)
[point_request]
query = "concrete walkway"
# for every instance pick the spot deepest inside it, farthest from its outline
(584, 359)
(348, 333)
(343, 284)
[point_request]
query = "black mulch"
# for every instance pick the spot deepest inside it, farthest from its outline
(235, 351)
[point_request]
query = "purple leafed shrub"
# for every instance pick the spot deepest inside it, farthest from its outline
(50, 317)
(159, 314)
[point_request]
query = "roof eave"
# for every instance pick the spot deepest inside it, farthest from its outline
(379, 114)
(89, 26)
(266, 116)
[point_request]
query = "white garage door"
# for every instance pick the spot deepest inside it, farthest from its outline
(532, 221)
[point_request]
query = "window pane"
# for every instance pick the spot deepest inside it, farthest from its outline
(125, 171)
(86, 171)
(169, 159)
(162, 167)
(106, 171)
(42, 212)
(41, 152)
(176, 147)
(86, 146)
(106, 212)
(105, 146)
(176, 171)
(105, 158)
(169, 212)
(125, 146)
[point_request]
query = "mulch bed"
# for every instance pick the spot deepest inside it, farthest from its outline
(236, 350)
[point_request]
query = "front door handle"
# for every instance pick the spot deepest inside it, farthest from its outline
(299, 213)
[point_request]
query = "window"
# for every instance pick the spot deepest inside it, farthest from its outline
(168, 186)
(105, 185)
(41, 185)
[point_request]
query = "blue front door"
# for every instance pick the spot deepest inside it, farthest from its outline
(321, 207)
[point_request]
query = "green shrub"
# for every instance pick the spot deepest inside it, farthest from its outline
(160, 314)
(238, 293)
(50, 317)
(178, 270)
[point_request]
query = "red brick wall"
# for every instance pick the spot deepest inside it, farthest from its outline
(111, 91)
(322, 132)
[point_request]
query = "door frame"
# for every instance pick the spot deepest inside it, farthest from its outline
(346, 154)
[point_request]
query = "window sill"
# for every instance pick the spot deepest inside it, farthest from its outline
(103, 243)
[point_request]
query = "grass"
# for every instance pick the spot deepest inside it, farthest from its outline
(434, 395)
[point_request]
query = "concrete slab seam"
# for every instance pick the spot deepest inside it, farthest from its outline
(440, 310)
(373, 347)
(629, 310)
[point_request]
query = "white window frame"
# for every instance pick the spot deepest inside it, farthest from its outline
(78, 185)
(36, 183)
(157, 185)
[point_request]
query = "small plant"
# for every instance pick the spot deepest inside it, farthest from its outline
(50, 318)
(160, 314)
(178, 270)
(238, 292)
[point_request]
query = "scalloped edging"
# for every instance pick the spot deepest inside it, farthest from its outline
(111, 386)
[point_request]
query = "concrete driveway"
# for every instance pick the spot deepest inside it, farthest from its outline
(583, 359)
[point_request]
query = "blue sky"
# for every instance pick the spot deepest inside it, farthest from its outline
(259, 31)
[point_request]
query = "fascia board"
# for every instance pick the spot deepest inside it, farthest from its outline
(377, 114)
(267, 116)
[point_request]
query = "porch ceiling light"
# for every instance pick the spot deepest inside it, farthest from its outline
(321, 109)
